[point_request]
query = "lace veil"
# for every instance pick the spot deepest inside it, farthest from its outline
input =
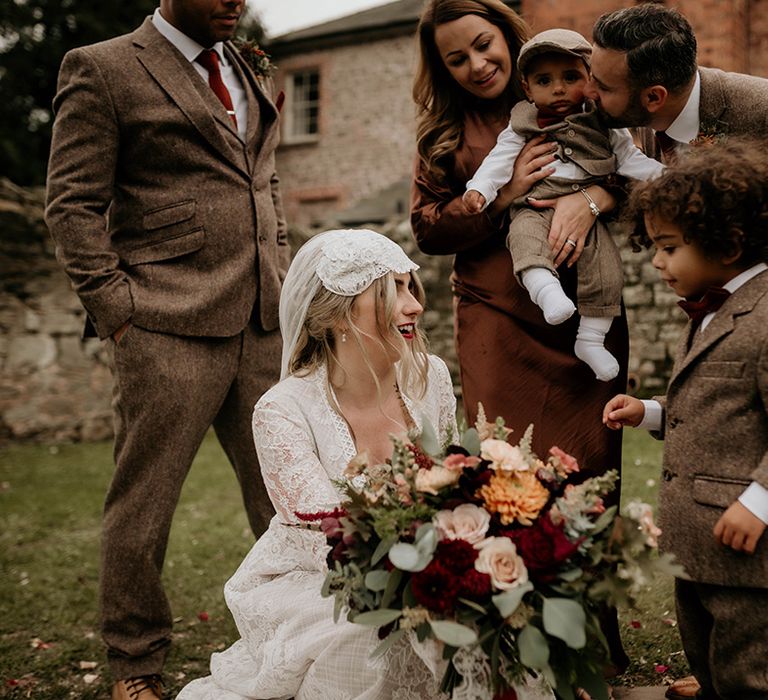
(345, 262)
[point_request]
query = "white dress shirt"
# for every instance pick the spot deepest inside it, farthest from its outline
(190, 49)
(685, 128)
(755, 497)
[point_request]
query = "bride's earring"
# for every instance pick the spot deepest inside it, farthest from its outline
(344, 336)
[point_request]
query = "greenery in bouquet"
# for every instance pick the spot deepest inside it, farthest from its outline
(489, 549)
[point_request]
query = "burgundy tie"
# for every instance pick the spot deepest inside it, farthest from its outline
(712, 300)
(668, 147)
(209, 60)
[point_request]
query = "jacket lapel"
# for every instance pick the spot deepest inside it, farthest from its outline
(183, 85)
(262, 133)
(713, 102)
(723, 322)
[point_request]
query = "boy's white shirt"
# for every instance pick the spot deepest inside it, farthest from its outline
(496, 169)
(755, 497)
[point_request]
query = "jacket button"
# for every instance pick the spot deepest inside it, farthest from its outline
(575, 187)
(568, 151)
(571, 132)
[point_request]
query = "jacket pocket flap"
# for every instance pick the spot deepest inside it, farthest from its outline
(727, 370)
(172, 214)
(716, 491)
(166, 249)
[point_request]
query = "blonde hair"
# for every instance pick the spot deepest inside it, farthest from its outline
(439, 98)
(328, 312)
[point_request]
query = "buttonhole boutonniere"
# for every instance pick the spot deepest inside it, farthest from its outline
(708, 136)
(258, 60)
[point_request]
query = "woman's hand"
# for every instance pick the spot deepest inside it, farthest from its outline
(572, 221)
(530, 167)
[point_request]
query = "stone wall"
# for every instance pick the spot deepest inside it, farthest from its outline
(56, 387)
(53, 386)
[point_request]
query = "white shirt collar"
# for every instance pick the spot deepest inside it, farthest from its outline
(744, 277)
(189, 48)
(685, 128)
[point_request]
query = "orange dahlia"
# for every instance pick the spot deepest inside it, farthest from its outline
(514, 496)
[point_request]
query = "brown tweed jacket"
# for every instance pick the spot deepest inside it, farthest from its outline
(716, 437)
(732, 104)
(161, 214)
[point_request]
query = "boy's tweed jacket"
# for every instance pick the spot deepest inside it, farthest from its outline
(716, 437)
(160, 213)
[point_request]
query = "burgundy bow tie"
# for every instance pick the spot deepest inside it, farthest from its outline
(711, 301)
(543, 119)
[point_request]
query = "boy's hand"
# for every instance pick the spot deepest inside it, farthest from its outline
(623, 410)
(739, 529)
(473, 201)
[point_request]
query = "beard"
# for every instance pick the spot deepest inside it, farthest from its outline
(634, 114)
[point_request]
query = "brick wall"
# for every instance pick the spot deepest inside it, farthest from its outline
(367, 130)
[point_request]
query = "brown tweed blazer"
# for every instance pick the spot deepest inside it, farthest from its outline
(732, 104)
(161, 214)
(716, 437)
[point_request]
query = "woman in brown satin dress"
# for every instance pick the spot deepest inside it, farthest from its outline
(519, 366)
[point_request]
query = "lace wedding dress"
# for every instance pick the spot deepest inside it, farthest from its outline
(290, 646)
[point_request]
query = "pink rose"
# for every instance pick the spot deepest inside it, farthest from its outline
(436, 478)
(499, 559)
(465, 522)
(502, 455)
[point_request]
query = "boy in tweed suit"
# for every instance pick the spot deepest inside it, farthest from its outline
(708, 221)
(555, 66)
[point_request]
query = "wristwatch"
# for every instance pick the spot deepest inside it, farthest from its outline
(592, 204)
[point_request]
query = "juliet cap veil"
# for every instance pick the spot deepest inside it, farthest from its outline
(345, 262)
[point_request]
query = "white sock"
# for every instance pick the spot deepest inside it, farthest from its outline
(547, 293)
(590, 347)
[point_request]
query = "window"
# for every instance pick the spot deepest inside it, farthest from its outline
(303, 103)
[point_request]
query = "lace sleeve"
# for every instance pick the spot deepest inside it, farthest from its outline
(292, 471)
(445, 399)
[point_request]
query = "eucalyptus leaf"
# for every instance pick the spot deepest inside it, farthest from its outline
(453, 633)
(604, 520)
(565, 619)
(534, 650)
(381, 549)
(571, 575)
(508, 602)
(395, 576)
(470, 441)
(387, 643)
(408, 558)
(377, 618)
(428, 438)
(376, 580)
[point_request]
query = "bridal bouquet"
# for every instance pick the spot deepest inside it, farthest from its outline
(485, 547)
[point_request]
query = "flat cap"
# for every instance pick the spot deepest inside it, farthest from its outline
(562, 41)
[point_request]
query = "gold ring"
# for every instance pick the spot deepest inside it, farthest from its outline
(570, 242)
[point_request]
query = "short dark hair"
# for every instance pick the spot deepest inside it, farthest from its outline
(717, 194)
(659, 43)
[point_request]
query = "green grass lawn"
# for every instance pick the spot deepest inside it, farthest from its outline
(50, 507)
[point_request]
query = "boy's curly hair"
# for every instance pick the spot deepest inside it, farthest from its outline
(717, 194)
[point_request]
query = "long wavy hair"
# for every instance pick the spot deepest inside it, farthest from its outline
(439, 99)
(329, 312)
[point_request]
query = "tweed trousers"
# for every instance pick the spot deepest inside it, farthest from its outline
(168, 391)
(725, 637)
(600, 271)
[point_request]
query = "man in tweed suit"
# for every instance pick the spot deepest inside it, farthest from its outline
(708, 221)
(644, 73)
(163, 202)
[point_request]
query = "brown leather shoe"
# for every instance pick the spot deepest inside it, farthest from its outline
(683, 688)
(140, 688)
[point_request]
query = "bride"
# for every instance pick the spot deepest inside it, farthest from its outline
(354, 371)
